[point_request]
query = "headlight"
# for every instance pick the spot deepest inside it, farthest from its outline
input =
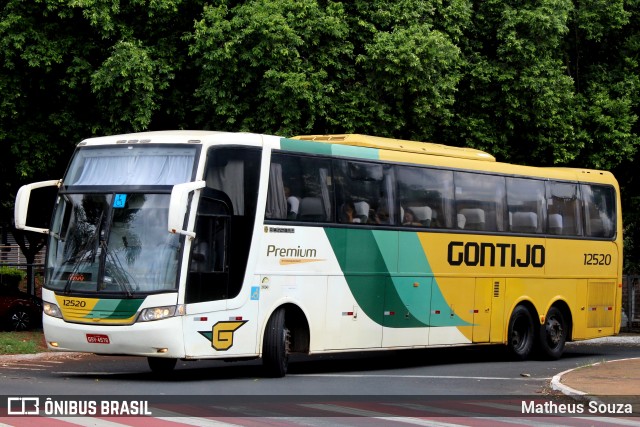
(51, 309)
(157, 313)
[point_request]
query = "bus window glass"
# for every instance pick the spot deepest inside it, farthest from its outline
(208, 268)
(74, 249)
(280, 203)
(426, 197)
(365, 193)
(129, 165)
(480, 201)
(235, 172)
(599, 212)
(563, 209)
(526, 205)
(300, 189)
(137, 252)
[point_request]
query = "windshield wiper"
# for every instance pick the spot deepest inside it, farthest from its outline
(117, 272)
(85, 255)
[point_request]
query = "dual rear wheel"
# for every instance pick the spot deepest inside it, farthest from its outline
(525, 335)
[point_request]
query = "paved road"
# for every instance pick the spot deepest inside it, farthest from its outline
(474, 382)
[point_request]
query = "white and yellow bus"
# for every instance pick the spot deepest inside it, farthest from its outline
(204, 245)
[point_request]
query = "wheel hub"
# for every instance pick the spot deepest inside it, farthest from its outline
(554, 331)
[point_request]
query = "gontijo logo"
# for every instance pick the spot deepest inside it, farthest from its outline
(297, 255)
(483, 254)
(221, 334)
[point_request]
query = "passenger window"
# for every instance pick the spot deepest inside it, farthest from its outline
(599, 210)
(480, 201)
(365, 193)
(563, 209)
(526, 205)
(300, 189)
(426, 197)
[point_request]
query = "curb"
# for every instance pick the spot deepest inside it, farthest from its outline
(557, 385)
(39, 356)
(556, 381)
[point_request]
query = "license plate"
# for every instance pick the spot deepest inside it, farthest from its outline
(97, 339)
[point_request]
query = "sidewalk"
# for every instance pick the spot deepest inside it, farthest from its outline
(611, 378)
(606, 378)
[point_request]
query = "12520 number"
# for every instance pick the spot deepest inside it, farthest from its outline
(597, 259)
(74, 303)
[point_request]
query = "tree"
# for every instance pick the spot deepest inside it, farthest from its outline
(291, 67)
(516, 96)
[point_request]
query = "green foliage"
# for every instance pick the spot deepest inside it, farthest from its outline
(27, 342)
(13, 272)
(11, 276)
(269, 66)
(128, 84)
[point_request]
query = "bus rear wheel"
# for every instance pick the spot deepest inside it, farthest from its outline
(521, 333)
(161, 365)
(276, 346)
(553, 335)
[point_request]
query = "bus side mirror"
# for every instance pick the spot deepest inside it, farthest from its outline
(22, 204)
(178, 206)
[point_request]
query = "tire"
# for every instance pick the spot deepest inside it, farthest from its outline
(19, 319)
(521, 335)
(553, 335)
(275, 347)
(161, 365)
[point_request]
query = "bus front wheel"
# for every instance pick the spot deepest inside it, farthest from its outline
(521, 333)
(275, 347)
(553, 334)
(161, 365)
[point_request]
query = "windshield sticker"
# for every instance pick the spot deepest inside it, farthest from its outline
(119, 201)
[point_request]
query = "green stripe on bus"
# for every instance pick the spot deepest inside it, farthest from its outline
(324, 148)
(115, 308)
(358, 152)
(310, 147)
(369, 261)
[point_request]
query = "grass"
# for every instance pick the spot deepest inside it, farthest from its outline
(27, 342)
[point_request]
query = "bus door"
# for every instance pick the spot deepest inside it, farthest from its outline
(206, 328)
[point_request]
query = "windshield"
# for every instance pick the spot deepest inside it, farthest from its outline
(131, 165)
(115, 242)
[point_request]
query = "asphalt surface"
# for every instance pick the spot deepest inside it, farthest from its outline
(606, 378)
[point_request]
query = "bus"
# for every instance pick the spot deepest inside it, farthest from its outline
(214, 245)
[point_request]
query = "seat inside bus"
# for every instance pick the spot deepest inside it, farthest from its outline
(362, 211)
(555, 224)
(471, 219)
(311, 209)
(524, 222)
